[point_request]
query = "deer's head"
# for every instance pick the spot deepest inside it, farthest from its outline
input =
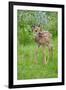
(36, 29)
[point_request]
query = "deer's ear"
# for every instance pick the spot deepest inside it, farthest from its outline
(39, 25)
(33, 27)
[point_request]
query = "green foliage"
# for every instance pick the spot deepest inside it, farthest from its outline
(27, 69)
(26, 19)
(52, 25)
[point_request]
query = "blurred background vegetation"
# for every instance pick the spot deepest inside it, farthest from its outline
(26, 68)
(26, 19)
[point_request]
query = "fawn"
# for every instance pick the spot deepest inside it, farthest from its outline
(42, 38)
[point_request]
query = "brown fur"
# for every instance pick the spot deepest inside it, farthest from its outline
(43, 38)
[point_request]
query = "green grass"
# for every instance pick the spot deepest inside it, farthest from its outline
(27, 69)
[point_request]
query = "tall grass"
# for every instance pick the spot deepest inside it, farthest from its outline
(27, 69)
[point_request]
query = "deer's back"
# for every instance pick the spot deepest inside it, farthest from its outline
(43, 37)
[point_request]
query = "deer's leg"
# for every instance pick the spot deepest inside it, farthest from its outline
(44, 55)
(52, 51)
(50, 47)
(36, 53)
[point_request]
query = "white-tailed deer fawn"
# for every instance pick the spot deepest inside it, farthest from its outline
(43, 38)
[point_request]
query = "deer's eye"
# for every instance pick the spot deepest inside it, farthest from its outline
(35, 30)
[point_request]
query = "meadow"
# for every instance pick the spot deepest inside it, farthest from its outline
(26, 66)
(28, 69)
